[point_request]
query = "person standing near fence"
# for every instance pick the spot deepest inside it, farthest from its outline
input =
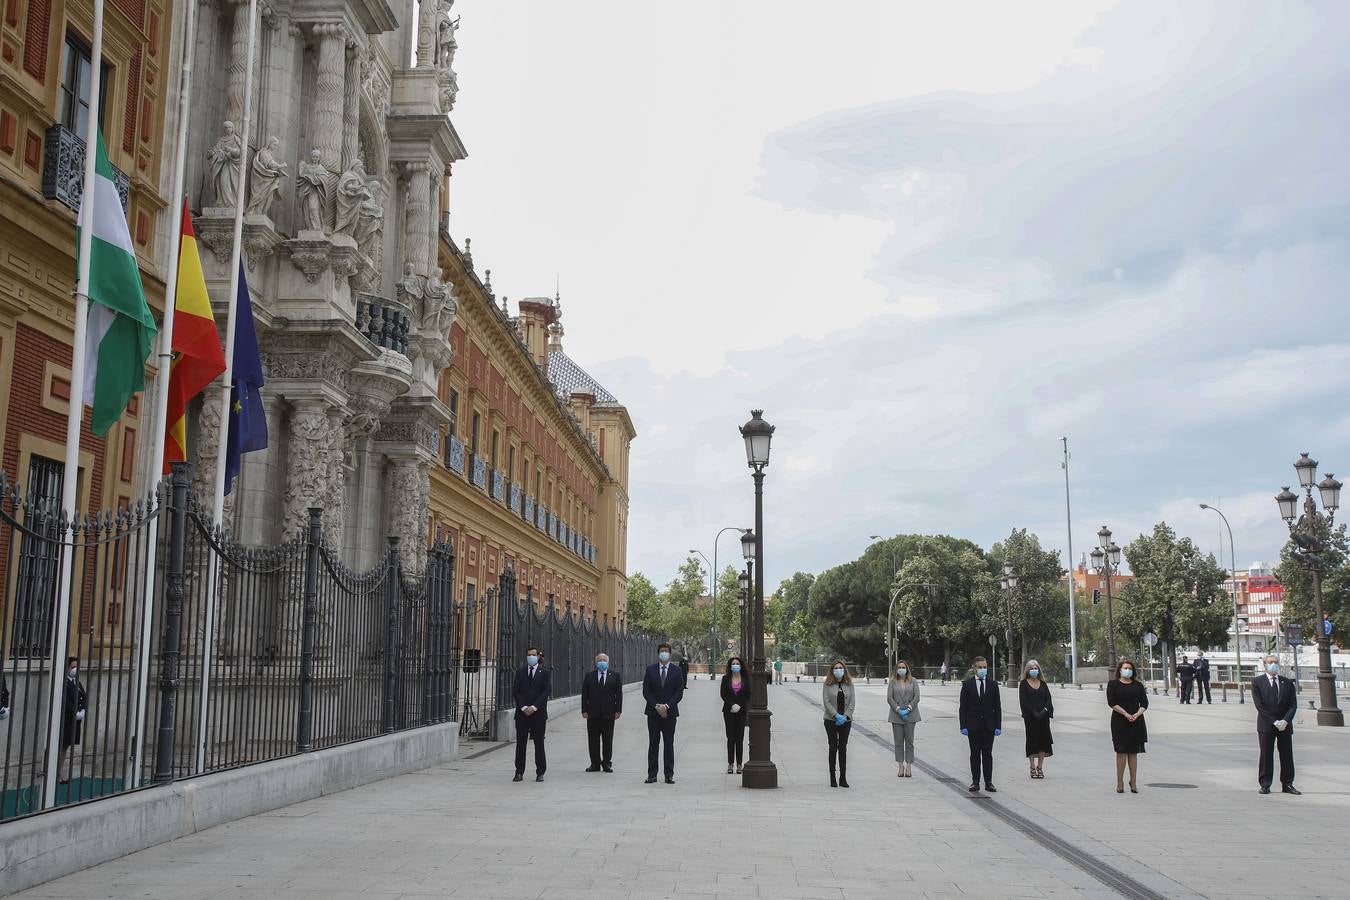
(903, 697)
(73, 707)
(1038, 708)
(4, 698)
(735, 710)
(662, 689)
(1201, 664)
(980, 716)
(530, 692)
(601, 706)
(1186, 674)
(838, 701)
(946, 671)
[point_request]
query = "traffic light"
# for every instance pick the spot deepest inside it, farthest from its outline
(1096, 596)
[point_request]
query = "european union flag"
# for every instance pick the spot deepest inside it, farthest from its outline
(248, 419)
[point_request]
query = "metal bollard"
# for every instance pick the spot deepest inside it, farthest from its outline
(1080, 685)
(1100, 688)
(1224, 691)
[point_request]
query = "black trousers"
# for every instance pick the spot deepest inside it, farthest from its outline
(837, 735)
(530, 727)
(1202, 692)
(735, 723)
(1269, 740)
(660, 731)
(600, 739)
(981, 754)
(1186, 685)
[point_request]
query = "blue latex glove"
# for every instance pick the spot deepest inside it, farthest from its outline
(840, 718)
(903, 713)
(965, 731)
(998, 731)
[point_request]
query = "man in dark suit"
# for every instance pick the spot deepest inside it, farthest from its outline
(601, 705)
(1276, 700)
(662, 689)
(530, 692)
(981, 719)
(1201, 666)
(1186, 675)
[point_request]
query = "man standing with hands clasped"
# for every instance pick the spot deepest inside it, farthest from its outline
(662, 688)
(530, 691)
(1276, 700)
(601, 704)
(981, 718)
(1201, 666)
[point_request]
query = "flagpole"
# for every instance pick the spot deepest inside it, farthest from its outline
(74, 421)
(218, 501)
(1073, 612)
(160, 422)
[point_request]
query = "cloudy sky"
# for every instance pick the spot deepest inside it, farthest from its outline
(929, 239)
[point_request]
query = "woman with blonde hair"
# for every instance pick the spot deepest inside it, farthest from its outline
(838, 700)
(1037, 710)
(902, 695)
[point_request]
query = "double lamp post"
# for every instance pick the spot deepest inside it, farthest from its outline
(1106, 560)
(759, 771)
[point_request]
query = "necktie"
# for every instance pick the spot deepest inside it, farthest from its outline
(663, 674)
(602, 679)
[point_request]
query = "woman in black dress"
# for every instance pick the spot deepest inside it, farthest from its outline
(1037, 711)
(1128, 699)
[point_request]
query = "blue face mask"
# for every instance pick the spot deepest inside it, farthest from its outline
(735, 667)
(838, 673)
(1127, 673)
(1273, 668)
(664, 656)
(980, 673)
(532, 660)
(1033, 673)
(902, 672)
(602, 665)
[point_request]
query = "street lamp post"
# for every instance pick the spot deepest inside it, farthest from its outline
(759, 771)
(712, 590)
(748, 544)
(1237, 635)
(1106, 558)
(712, 600)
(744, 582)
(893, 630)
(1009, 585)
(1308, 534)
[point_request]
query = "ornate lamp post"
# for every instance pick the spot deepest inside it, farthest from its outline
(744, 582)
(1009, 584)
(1106, 560)
(759, 771)
(1308, 532)
(748, 544)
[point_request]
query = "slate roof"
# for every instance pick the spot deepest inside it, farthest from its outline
(569, 378)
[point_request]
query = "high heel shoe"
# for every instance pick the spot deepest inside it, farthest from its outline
(1120, 789)
(1133, 789)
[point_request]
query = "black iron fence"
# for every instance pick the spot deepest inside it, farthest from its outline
(195, 654)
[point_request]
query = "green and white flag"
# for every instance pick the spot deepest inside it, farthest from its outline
(121, 328)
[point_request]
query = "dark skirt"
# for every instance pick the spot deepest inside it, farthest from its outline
(1128, 737)
(1038, 737)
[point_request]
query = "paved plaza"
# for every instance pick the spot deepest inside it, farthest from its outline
(1197, 828)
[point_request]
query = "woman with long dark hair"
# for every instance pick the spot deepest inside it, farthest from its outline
(838, 701)
(1128, 699)
(735, 707)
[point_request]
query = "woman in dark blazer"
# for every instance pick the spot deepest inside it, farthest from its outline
(735, 707)
(1128, 700)
(1037, 710)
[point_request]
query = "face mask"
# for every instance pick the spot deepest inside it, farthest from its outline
(602, 665)
(902, 672)
(1272, 668)
(838, 673)
(1127, 673)
(1033, 673)
(532, 660)
(663, 656)
(980, 673)
(735, 667)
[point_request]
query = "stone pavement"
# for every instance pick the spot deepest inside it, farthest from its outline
(1198, 827)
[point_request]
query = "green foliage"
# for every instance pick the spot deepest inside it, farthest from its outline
(1177, 593)
(1296, 576)
(1038, 607)
(643, 613)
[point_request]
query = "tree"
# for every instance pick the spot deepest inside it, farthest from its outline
(936, 609)
(642, 604)
(1177, 593)
(1039, 607)
(1295, 574)
(683, 622)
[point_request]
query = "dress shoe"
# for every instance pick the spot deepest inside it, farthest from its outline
(592, 768)
(539, 777)
(843, 782)
(1264, 790)
(651, 779)
(1290, 789)
(989, 788)
(519, 777)
(974, 786)
(670, 779)
(609, 769)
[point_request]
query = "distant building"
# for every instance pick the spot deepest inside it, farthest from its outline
(1260, 598)
(1086, 580)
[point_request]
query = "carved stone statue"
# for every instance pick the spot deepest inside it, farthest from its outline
(446, 45)
(438, 304)
(369, 219)
(223, 159)
(267, 174)
(352, 193)
(311, 191)
(412, 284)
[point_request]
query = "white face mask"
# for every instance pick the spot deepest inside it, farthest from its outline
(1127, 673)
(838, 673)
(902, 671)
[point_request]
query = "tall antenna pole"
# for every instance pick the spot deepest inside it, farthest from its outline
(1073, 612)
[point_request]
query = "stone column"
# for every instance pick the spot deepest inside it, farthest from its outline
(426, 33)
(351, 111)
(329, 94)
(434, 226)
(238, 71)
(408, 487)
(417, 218)
(311, 467)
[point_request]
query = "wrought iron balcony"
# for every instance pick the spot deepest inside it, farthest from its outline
(498, 490)
(479, 472)
(528, 514)
(63, 169)
(539, 516)
(513, 498)
(384, 323)
(552, 524)
(454, 454)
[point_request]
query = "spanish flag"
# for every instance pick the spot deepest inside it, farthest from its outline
(197, 354)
